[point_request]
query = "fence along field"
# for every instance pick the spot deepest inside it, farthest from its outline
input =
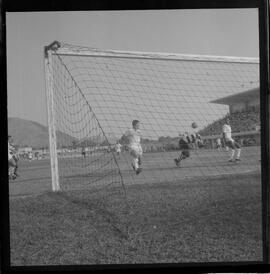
(206, 210)
(35, 176)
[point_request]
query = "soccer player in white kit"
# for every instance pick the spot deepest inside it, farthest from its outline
(230, 142)
(12, 159)
(134, 139)
(30, 156)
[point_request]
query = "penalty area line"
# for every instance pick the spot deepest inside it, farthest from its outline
(235, 173)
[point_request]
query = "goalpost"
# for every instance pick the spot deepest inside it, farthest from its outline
(51, 119)
(93, 95)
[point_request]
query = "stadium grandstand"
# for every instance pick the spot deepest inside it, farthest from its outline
(244, 112)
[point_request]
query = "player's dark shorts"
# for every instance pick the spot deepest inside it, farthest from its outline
(185, 149)
(186, 152)
(184, 146)
(232, 144)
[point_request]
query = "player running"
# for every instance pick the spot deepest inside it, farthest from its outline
(184, 145)
(134, 138)
(230, 142)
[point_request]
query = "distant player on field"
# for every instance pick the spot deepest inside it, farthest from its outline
(83, 152)
(118, 148)
(134, 138)
(30, 156)
(230, 142)
(218, 145)
(184, 145)
(12, 158)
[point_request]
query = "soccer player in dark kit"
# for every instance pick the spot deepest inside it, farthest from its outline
(184, 145)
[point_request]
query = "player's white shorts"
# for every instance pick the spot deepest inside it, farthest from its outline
(136, 150)
(232, 143)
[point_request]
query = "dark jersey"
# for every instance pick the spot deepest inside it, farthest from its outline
(184, 142)
(195, 137)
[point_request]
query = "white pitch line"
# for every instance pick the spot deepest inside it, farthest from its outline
(235, 173)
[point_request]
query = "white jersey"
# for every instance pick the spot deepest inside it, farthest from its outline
(134, 137)
(227, 130)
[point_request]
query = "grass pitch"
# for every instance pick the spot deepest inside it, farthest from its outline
(213, 220)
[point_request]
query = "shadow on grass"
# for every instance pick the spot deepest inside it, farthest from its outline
(98, 204)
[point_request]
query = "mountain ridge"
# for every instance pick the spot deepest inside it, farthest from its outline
(33, 134)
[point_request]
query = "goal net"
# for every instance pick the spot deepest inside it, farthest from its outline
(94, 95)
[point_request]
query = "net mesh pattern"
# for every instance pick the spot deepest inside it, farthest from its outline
(97, 95)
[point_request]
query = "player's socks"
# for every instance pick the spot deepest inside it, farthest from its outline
(15, 172)
(232, 155)
(181, 157)
(238, 152)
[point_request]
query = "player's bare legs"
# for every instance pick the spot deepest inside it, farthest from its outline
(238, 151)
(136, 161)
(235, 146)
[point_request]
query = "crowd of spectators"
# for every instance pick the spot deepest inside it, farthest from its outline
(240, 122)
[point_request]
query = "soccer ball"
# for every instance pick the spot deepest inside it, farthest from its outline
(194, 125)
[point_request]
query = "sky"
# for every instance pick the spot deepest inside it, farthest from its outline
(230, 32)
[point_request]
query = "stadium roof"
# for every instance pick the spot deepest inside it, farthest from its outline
(239, 97)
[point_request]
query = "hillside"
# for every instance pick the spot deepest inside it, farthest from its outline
(30, 133)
